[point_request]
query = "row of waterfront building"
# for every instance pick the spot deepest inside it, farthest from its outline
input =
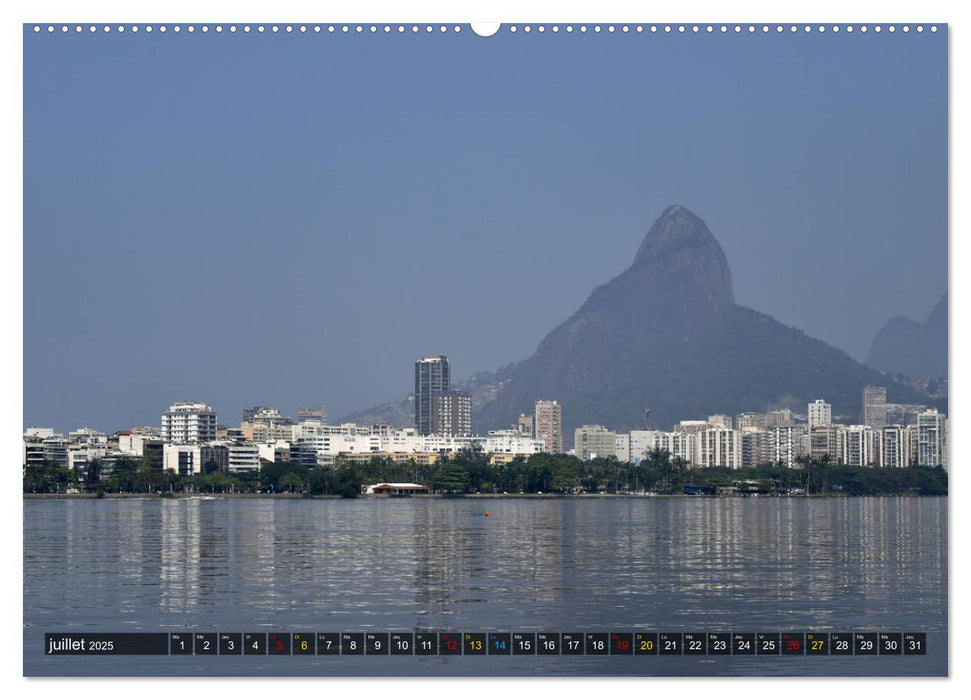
(715, 443)
(191, 441)
(890, 435)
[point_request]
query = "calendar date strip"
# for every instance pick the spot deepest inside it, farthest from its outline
(488, 644)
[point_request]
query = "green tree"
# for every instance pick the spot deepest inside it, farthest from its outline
(46, 477)
(347, 482)
(92, 475)
(271, 473)
(565, 476)
(123, 479)
(451, 478)
(291, 482)
(245, 482)
(320, 481)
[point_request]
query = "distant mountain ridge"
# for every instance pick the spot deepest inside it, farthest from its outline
(904, 346)
(666, 334)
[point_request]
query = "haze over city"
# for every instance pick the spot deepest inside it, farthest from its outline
(294, 220)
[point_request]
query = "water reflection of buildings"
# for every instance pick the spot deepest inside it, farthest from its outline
(827, 562)
(439, 564)
(719, 563)
(683, 570)
(487, 572)
(442, 565)
(134, 539)
(179, 573)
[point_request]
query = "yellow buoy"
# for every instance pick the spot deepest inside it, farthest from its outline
(487, 513)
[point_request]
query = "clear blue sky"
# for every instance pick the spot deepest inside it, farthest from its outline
(291, 220)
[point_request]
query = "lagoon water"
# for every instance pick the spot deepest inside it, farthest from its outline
(546, 564)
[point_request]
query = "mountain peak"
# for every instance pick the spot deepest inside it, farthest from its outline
(677, 228)
(915, 349)
(679, 248)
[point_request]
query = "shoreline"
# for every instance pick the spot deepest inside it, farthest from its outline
(437, 496)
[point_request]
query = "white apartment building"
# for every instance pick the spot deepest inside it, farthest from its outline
(592, 441)
(894, 447)
(710, 446)
(88, 436)
(187, 460)
(756, 446)
(39, 433)
(79, 456)
(84, 446)
(642, 442)
(316, 427)
(680, 445)
(820, 413)
(354, 440)
(270, 451)
(55, 449)
(510, 442)
(336, 444)
(858, 447)
(134, 443)
(188, 423)
(622, 446)
(41, 444)
(931, 439)
(33, 453)
(184, 460)
(824, 440)
(719, 447)
(243, 457)
(787, 444)
(266, 431)
(720, 421)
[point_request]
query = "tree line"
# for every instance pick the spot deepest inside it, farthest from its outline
(470, 472)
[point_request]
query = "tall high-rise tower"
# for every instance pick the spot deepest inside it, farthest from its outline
(452, 414)
(875, 406)
(548, 424)
(432, 378)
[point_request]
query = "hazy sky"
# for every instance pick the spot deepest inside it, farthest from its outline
(291, 220)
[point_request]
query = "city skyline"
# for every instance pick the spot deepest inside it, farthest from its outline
(375, 220)
(888, 434)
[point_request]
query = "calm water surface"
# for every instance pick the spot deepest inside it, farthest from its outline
(558, 565)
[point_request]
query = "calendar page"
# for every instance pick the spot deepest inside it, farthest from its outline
(526, 349)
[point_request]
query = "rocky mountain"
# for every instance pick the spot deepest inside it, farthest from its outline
(904, 346)
(666, 334)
